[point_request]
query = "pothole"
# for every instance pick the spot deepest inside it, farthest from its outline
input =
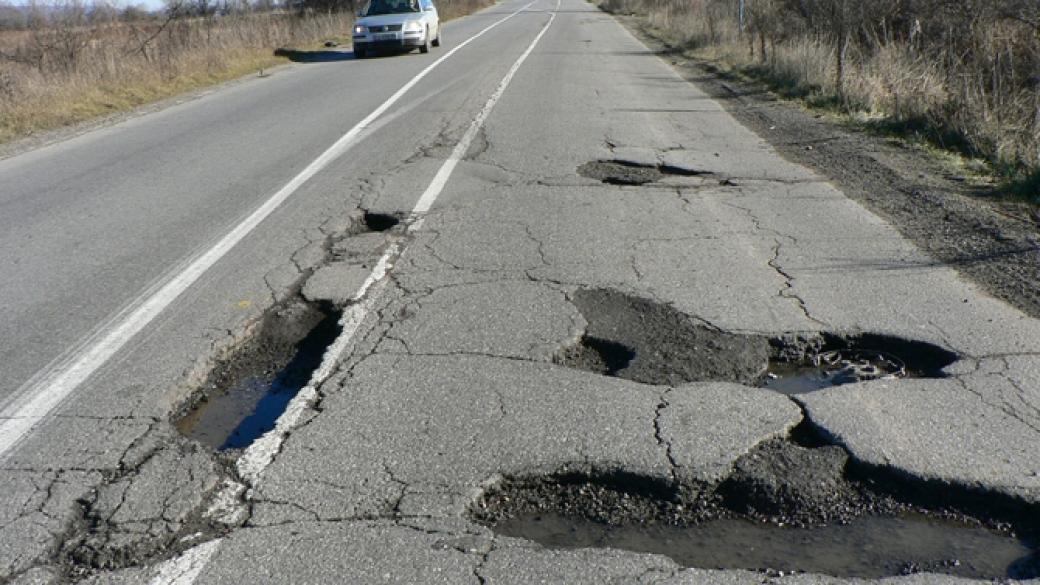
(380, 222)
(246, 392)
(784, 508)
(653, 343)
(620, 172)
(799, 367)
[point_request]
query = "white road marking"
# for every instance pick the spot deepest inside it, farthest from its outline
(184, 569)
(261, 453)
(42, 393)
(442, 176)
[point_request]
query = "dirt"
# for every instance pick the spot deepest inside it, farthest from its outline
(991, 240)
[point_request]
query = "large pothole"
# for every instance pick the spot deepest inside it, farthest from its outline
(653, 343)
(784, 508)
(622, 172)
(247, 391)
(640, 340)
(380, 222)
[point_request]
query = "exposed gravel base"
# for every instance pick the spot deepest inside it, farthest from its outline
(779, 482)
(652, 343)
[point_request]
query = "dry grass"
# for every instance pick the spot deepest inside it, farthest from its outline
(71, 70)
(960, 74)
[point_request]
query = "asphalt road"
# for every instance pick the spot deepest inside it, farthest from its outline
(115, 303)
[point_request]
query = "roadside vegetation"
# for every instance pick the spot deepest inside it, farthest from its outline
(70, 62)
(963, 75)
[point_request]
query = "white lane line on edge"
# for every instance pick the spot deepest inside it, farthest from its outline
(184, 569)
(47, 389)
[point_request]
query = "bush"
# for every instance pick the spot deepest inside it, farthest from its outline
(963, 73)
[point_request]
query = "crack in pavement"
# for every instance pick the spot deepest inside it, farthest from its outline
(484, 558)
(659, 436)
(787, 291)
(1002, 406)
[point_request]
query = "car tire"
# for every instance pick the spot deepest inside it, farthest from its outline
(437, 41)
(425, 46)
(359, 54)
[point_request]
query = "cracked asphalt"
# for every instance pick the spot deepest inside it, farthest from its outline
(454, 380)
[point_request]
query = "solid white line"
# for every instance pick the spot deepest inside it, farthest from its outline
(261, 453)
(46, 390)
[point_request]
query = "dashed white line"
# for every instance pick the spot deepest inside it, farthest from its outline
(48, 388)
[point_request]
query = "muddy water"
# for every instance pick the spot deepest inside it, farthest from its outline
(833, 368)
(238, 416)
(849, 365)
(871, 547)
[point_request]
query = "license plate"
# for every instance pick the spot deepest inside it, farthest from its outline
(386, 37)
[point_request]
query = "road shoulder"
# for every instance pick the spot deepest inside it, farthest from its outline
(995, 244)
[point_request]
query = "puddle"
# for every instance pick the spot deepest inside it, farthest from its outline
(859, 359)
(652, 343)
(247, 392)
(619, 172)
(785, 507)
(871, 547)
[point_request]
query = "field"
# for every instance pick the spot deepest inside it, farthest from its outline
(963, 75)
(75, 63)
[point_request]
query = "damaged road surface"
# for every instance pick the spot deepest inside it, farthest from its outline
(554, 317)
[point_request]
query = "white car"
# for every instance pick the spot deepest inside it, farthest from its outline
(396, 25)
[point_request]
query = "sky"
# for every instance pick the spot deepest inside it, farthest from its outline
(147, 4)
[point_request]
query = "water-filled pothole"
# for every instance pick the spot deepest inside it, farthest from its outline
(805, 366)
(246, 393)
(782, 509)
(865, 548)
(653, 343)
(620, 172)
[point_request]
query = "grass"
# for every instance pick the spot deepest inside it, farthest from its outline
(72, 101)
(966, 83)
